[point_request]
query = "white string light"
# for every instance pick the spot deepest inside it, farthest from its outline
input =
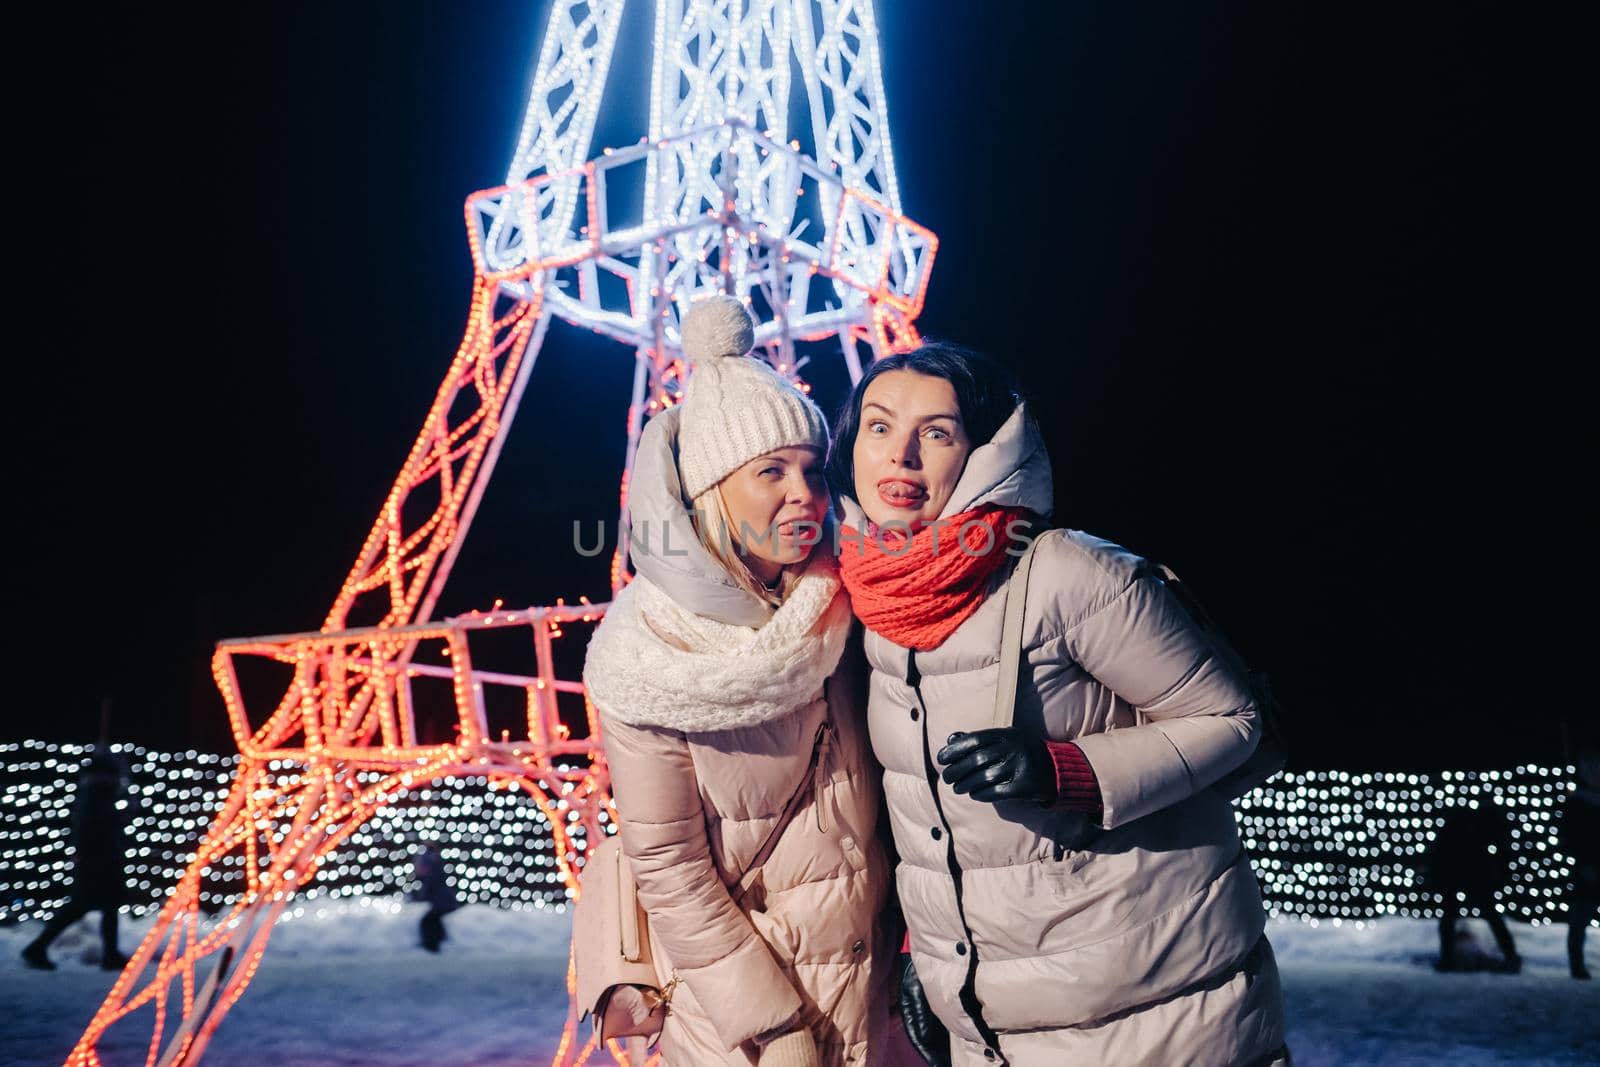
(1325, 844)
(496, 844)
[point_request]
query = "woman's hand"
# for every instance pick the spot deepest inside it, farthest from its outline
(928, 1035)
(628, 1009)
(999, 764)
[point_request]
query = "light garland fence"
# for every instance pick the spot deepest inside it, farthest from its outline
(497, 845)
(1325, 844)
(1342, 845)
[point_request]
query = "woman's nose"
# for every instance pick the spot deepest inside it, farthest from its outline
(905, 453)
(801, 491)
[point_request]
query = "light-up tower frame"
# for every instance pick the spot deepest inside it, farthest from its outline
(715, 197)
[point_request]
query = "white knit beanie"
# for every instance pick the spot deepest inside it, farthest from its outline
(734, 408)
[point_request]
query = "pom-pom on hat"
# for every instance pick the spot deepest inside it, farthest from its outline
(735, 408)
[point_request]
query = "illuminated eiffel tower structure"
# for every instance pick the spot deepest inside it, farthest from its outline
(716, 197)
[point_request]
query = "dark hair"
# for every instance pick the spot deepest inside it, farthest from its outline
(985, 391)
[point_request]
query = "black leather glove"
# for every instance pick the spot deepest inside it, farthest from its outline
(999, 764)
(928, 1035)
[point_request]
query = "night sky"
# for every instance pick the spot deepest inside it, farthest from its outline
(1276, 277)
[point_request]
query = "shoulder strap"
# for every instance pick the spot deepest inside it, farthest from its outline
(824, 732)
(1201, 616)
(1005, 690)
(1195, 609)
(1271, 753)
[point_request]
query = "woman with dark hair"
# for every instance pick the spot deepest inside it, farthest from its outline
(1074, 890)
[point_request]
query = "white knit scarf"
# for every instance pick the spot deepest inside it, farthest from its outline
(652, 662)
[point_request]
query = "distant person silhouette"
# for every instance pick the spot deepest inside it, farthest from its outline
(98, 825)
(1578, 837)
(435, 890)
(1469, 860)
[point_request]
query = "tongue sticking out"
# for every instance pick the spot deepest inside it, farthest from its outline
(900, 493)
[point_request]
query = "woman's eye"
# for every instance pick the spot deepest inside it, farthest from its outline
(937, 434)
(876, 427)
(771, 470)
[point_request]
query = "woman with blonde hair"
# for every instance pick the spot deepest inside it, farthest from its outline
(732, 703)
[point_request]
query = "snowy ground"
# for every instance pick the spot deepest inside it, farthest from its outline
(345, 985)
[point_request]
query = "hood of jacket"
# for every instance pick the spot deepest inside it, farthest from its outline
(1011, 470)
(663, 546)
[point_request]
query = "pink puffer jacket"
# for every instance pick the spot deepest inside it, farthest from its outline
(696, 798)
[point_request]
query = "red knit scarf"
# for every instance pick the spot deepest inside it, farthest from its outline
(917, 597)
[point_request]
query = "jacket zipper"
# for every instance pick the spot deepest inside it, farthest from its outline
(969, 994)
(820, 774)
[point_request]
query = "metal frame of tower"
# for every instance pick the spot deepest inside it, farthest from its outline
(716, 196)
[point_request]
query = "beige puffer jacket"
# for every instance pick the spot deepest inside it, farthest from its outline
(1043, 938)
(696, 804)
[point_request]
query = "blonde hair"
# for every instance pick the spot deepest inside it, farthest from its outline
(713, 525)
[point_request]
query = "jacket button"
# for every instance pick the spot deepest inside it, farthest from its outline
(961, 948)
(915, 715)
(858, 947)
(988, 1053)
(937, 833)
